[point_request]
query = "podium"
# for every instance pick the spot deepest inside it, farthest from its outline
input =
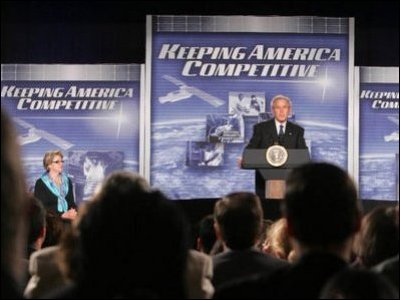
(270, 180)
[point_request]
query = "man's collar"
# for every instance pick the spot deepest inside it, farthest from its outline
(277, 123)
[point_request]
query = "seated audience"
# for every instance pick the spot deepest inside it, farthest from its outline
(323, 215)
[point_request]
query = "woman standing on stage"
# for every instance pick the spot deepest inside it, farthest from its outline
(54, 187)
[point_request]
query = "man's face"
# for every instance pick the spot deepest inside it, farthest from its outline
(281, 110)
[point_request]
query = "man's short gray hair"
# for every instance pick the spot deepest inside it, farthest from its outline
(281, 97)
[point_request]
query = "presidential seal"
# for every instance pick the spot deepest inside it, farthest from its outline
(276, 155)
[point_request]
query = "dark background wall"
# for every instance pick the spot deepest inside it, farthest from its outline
(84, 32)
(114, 31)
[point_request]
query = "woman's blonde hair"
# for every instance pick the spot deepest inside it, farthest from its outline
(277, 240)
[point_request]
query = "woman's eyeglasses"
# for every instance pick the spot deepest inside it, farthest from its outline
(58, 161)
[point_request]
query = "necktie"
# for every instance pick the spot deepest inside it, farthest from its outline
(281, 133)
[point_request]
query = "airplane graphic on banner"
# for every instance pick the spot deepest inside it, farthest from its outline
(34, 134)
(186, 92)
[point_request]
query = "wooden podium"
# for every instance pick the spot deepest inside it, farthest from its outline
(270, 180)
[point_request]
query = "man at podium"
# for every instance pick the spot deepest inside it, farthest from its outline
(276, 131)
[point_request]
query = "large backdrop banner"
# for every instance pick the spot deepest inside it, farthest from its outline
(89, 112)
(209, 79)
(379, 132)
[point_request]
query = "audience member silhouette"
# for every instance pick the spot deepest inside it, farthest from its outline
(36, 233)
(36, 226)
(129, 242)
(45, 273)
(277, 242)
(206, 238)
(238, 223)
(54, 228)
(13, 211)
(378, 238)
(390, 269)
(323, 214)
(264, 229)
(358, 284)
(198, 276)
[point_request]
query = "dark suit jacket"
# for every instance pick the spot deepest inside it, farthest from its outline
(302, 280)
(49, 200)
(265, 135)
(236, 264)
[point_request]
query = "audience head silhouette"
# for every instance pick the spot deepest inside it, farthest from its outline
(13, 210)
(207, 238)
(132, 242)
(37, 225)
(321, 205)
(379, 236)
(276, 242)
(239, 219)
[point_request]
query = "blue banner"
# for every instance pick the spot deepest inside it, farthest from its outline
(94, 123)
(211, 81)
(379, 138)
